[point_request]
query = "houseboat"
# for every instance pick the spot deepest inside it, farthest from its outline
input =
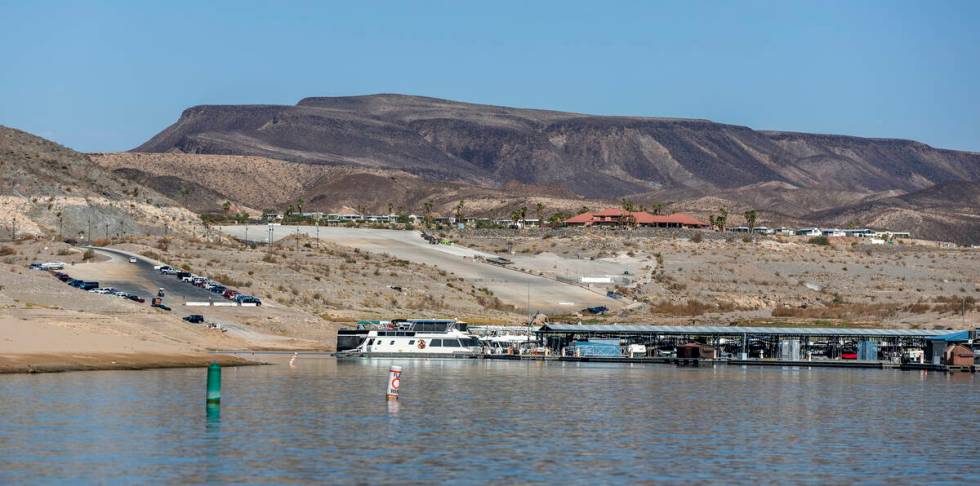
(430, 338)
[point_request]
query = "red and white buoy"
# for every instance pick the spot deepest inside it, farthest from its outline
(394, 381)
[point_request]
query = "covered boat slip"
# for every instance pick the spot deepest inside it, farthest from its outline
(762, 342)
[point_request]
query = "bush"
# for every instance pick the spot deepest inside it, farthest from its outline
(819, 240)
(697, 238)
(8, 250)
(88, 255)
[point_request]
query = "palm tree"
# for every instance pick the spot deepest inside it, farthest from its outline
(539, 210)
(459, 211)
(427, 206)
(226, 207)
(628, 207)
(658, 208)
(721, 220)
(523, 212)
(750, 217)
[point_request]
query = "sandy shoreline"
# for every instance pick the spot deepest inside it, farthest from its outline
(61, 362)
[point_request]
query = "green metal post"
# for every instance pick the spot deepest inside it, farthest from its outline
(214, 384)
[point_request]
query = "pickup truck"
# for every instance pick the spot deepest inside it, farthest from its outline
(194, 318)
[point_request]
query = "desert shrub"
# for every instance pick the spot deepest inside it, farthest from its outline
(819, 240)
(692, 307)
(840, 311)
(697, 238)
(88, 255)
(268, 258)
(229, 280)
(8, 250)
(151, 255)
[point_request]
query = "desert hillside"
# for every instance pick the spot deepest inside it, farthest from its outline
(593, 156)
(383, 152)
(47, 189)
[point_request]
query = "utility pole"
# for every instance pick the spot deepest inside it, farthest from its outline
(13, 229)
(88, 236)
(246, 235)
(318, 233)
(297, 238)
(61, 226)
(107, 231)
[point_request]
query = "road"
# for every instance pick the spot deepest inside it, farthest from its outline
(140, 278)
(510, 286)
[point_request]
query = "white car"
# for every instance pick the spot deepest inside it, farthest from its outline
(132, 260)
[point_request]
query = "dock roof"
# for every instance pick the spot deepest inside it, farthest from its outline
(625, 329)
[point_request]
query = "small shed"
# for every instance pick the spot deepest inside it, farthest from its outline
(695, 351)
(958, 355)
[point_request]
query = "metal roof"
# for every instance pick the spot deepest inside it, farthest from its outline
(736, 330)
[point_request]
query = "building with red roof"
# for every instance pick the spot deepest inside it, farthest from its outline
(618, 217)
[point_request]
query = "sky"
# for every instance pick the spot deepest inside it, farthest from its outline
(102, 76)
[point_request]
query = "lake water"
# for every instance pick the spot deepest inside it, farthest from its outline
(491, 421)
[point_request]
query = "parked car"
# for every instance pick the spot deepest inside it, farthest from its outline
(76, 282)
(167, 270)
(88, 285)
(218, 289)
(230, 294)
(132, 297)
(181, 275)
(194, 318)
(162, 306)
(132, 260)
(247, 299)
(35, 266)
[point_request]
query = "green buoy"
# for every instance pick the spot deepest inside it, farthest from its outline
(214, 384)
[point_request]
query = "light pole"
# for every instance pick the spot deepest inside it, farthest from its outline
(317, 233)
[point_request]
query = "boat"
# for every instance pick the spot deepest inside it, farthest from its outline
(513, 340)
(429, 338)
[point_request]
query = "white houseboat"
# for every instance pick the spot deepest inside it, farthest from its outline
(432, 338)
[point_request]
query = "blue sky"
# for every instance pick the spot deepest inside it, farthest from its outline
(106, 76)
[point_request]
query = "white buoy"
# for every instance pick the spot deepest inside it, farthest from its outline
(394, 381)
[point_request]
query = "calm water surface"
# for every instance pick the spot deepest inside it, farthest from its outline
(491, 421)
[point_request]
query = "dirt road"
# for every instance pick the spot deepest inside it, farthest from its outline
(510, 286)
